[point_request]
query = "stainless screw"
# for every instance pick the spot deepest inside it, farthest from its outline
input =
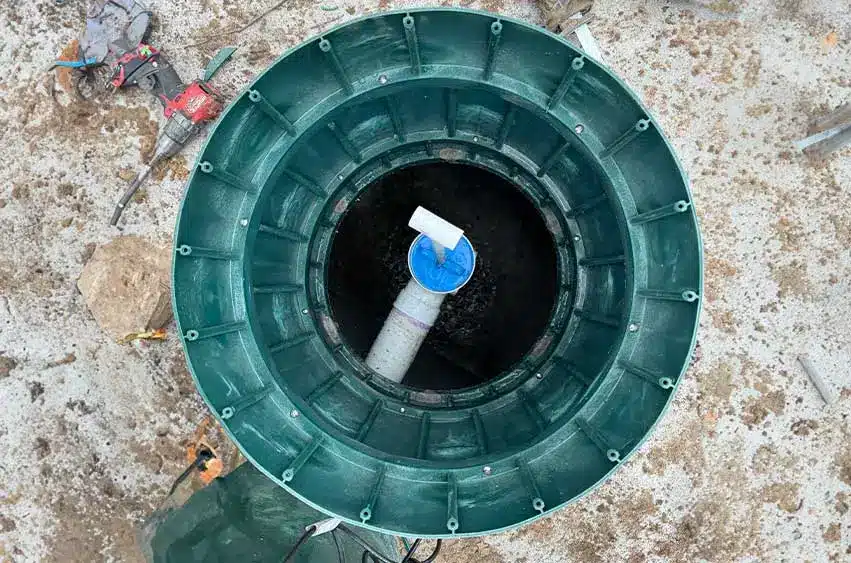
(293, 413)
(577, 238)
(382, 79)
(632, 327)
(487, 470)
(475, 139)
(579, 128)
(243, 222)
(539, 376)
(402, 409)
(305, 311)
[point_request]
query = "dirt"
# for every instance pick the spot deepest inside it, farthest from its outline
(718, 270)
(792, 280)
(585, 533)
(784, 495)
(712, 531)
(471, 550)
(683, 450)
(716, 385)
(842, 505)
(804, 427)
(174, 168)
(789, 233)
(724, 320)
(86, 524)
(756, 410)
(843, 465)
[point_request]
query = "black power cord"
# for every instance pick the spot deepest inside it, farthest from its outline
(433, 555)
(370, 554)
(204, 455)
(410, 555)
(341, 555)
(303, 538)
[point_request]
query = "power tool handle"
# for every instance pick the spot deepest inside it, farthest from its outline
(168, 83)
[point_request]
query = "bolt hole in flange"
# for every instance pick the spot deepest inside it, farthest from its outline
(547, 369)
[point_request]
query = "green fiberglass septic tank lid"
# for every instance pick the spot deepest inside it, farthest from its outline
(541, 374)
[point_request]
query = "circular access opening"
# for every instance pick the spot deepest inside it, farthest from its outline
(493, 321)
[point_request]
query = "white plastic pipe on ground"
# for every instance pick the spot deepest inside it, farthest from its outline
(404, 331)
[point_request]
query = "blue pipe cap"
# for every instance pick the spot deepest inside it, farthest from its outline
(448, 276)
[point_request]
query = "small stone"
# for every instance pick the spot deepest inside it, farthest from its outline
(833, 533)
(804, 427)
(126, 174)
(126, 286)
(66, 189)
(42, 448)
(36, 390)
(7, 525)
(141, 196)
(79, 406)
(66, 359)
(7, 364)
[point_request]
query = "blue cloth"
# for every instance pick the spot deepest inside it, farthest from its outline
(454, 272)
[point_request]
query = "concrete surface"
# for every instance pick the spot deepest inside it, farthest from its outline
(747, 465)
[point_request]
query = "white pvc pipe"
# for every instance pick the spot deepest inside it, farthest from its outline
(436, 228)
(404, 331)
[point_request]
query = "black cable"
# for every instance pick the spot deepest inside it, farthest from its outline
(341, 555)
(434, 553)
(370, 554)
(307, 533)
(410, 555)
(364, 544)
(203, 457)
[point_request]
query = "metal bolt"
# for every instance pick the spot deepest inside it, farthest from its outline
(382, 79)
(243, 222)
(475, 139)
(579, 128)
(577, 238)
(539, 376)
(294, 413)
(632, 327)
(305, 311)
(402, 409)
(487, 470)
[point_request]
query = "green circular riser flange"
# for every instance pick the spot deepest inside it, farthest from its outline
(293, 153)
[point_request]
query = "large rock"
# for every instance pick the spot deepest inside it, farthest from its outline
(126, 286)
